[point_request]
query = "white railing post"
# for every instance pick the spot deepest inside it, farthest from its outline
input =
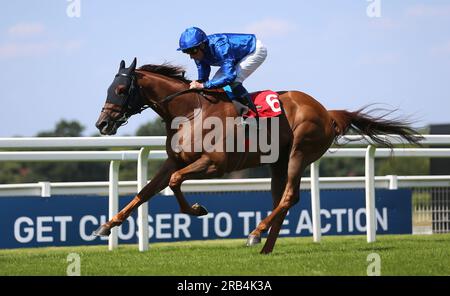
(370, 193)
(45, 189)
(143, 236)
(113, 240)
(393, 182)
(315, 201)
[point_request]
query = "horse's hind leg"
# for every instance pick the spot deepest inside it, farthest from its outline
(276, 226)
(158, 183)
(289, 198)
(303, 151)
(278, 220)
(278, 183)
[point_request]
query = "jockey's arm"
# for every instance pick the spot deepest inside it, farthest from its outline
(227, 70)
(229, 74)
(203, 71)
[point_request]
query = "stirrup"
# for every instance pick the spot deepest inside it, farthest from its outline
(248, 122)
(242, 121)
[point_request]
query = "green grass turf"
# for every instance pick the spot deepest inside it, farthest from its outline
(335, 255)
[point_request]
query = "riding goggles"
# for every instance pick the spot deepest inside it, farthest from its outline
(192, 50)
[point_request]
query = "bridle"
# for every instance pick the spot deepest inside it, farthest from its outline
(132, 104)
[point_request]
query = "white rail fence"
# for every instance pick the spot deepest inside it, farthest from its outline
(142, 156)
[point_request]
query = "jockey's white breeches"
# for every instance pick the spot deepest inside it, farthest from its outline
(248, 64)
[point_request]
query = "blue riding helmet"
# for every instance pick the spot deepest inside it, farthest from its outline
(191, 37)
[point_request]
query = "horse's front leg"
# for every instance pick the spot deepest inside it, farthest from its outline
(158, 183)
(202, 168)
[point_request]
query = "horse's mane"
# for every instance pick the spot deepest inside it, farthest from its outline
(168, 70)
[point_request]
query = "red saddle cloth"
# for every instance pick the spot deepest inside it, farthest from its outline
(267, 103)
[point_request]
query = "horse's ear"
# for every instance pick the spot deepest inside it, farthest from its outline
(133, 65)
(122, 65)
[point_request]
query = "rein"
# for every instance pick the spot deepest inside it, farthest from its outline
(192, 90)
(199, 92)
(172, 96)
(126, 115)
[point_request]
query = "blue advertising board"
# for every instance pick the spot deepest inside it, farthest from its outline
(70, 220)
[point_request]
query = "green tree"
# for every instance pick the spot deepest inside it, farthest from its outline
(403, 166)
(24, 172)
(64, 129)
(128, 170)
(155, 127)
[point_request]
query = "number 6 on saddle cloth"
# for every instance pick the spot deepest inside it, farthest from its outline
(258, 104)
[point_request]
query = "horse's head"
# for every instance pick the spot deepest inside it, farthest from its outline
(122, 101)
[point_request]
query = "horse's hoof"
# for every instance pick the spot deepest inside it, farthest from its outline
(102, 231)
(265, 251)
(199, 210)
(253, 240)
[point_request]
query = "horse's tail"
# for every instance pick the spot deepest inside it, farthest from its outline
(374, 126)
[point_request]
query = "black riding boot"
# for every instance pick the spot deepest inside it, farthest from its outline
(247, 101)
(243, 97)
(240, 107)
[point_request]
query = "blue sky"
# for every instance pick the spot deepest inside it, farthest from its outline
(57, 67)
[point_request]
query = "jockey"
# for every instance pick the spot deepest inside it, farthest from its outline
(237, 55)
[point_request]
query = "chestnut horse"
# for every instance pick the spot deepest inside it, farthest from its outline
(306, 128)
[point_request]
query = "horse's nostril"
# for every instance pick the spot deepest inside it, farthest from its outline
(102, 124)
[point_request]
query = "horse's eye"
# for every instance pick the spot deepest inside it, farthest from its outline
(120, 90)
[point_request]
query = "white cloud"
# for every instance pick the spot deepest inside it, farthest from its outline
(270, 27)
(28, 40)
(37, 49)
(72, 46)
(16, 49)
(428, 10)
(26, 30)
(443, 49)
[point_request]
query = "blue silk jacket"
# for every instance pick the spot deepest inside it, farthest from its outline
(225, 51)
